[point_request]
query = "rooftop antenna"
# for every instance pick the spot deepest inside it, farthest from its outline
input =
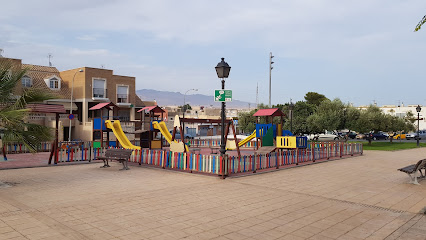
(102, 66)
(1, 51)
(50, 56)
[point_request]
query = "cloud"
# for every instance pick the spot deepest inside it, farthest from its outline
(92, 52)
(91, 37)
(318, 45)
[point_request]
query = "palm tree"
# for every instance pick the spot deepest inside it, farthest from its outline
(13, 112)
(419, 25)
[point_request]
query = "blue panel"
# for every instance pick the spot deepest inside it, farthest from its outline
(264, 128)
(150, 124)
(286, 133)
(112, 144)
(301, 142)
(97, 124)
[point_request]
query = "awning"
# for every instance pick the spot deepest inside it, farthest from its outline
(106, 105)
(65, 104)
(155, 109)
(46, 108)
(274, 112)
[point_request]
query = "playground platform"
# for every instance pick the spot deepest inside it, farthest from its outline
(354, 198)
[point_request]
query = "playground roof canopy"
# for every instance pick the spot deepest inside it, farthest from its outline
(103, 105)
(46, 108)
(155, 109)
(273, 112)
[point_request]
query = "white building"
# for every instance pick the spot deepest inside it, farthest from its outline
(402, 110)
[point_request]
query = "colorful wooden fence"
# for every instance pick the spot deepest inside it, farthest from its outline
(214, 164)
(212, 143)
(13, 148)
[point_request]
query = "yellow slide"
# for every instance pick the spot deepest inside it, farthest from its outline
(175, 146)
(241, 143)
(119, 134)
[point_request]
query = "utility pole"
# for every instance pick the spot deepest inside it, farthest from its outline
(257, 95)
(270, 72)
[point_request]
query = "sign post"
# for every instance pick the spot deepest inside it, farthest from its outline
(222, 95)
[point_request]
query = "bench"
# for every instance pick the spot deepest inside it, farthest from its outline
(195, 150)
(215, 150)
(412, 170)
(121, 155)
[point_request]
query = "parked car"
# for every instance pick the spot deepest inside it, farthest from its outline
(177, 136)
(326, 136)
(351, 135)
(378, 136)
(347, 135)
(360, 136)
(400, 135)
(415, 136)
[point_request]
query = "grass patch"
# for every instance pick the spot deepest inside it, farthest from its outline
(387, 146)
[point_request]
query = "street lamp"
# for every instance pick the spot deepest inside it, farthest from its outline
(184, 109)
(72, 91)
(418, 109)
(291, 107)
(222, 70)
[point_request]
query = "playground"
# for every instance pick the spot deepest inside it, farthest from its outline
(267, 148)
(358, 198)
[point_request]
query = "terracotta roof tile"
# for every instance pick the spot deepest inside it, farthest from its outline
(39, 73)
(139, 102)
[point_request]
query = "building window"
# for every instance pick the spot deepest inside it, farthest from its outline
(122, 94)
(54, 83)
(26, 81)
(99, 90)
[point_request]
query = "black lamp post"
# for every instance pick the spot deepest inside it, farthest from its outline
(418, 109)
(222, 70)
(291, 107)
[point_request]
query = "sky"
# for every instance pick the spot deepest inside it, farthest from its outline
(362, 52)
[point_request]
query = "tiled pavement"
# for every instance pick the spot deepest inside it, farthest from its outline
(355, 198)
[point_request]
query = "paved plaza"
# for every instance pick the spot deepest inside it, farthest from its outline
(362, 197)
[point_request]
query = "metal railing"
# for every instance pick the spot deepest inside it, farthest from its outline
(122, 98)
(99, 92)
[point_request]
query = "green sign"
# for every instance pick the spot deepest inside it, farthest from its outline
(223, 95)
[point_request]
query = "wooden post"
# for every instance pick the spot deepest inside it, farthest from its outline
(236, 142)
(54, 151)
(174, 133)
(182, 138)
(102, 131)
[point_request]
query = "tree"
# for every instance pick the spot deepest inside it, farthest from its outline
(185, 107)
(409, 117)
(330, 115)
(371, 119)
(246, 121)
(419, 25)
(314, 98)
(13, 112)
(396, 124)
(301, 111)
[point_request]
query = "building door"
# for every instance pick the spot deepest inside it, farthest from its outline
(66, 133)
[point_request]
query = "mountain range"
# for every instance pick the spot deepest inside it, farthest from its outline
(165, 98)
